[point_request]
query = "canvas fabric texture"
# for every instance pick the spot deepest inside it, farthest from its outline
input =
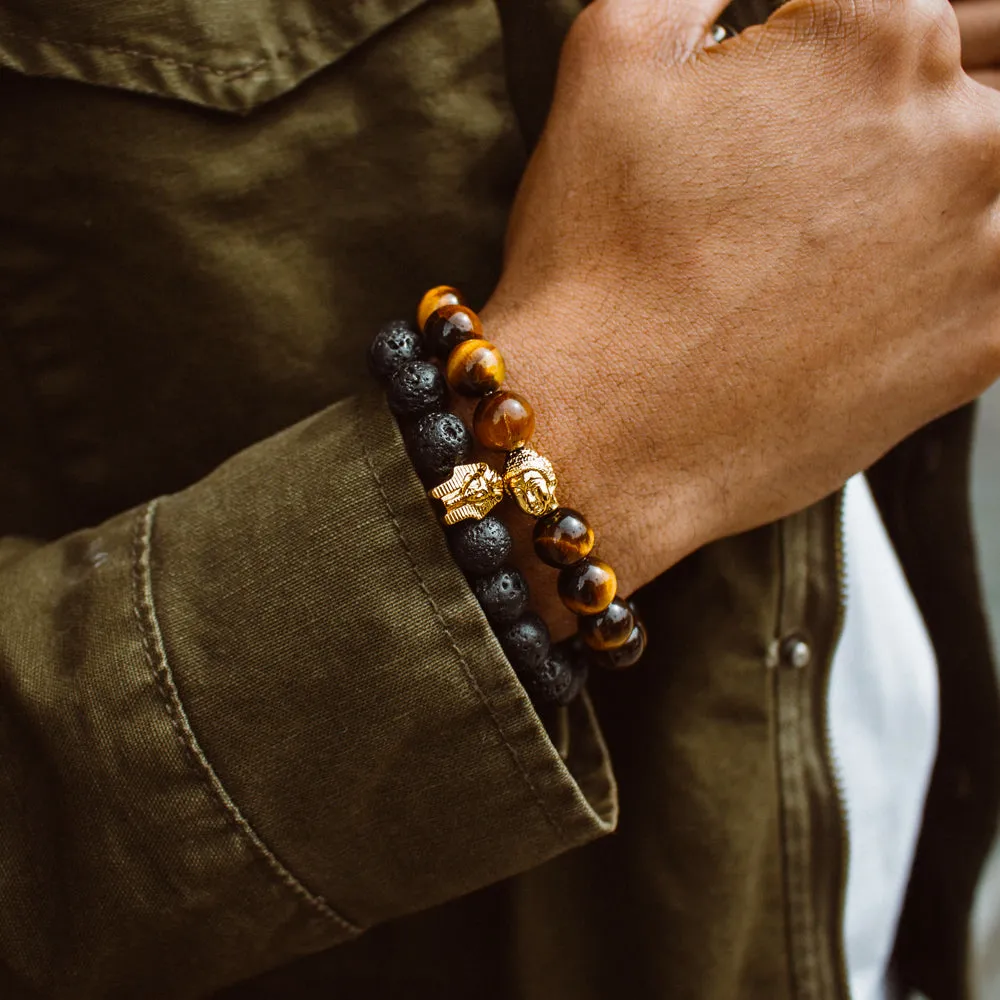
(258, 739)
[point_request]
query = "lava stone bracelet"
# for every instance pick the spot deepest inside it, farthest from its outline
(505, 421)
(438, 443)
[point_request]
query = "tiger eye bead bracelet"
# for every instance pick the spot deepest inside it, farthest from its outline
(504, 421)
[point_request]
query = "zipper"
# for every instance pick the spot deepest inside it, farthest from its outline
(813, 818)
(839, 901)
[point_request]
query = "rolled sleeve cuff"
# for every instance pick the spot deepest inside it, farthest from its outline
(340, 689)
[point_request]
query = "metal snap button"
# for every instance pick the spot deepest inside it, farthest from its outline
(796, 652)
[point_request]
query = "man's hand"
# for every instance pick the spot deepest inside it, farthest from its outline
(979, 21)
(736, 276)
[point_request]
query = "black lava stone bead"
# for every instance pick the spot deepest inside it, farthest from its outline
(578, 656)
(416, 388)
(571, 692)
(552, 680)
(480, 547)
(437, 443)
(503, 595)
(394, 344)
(526, 643)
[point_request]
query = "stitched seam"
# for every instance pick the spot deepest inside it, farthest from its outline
(155, 654)
(228, 73)
(463, 663)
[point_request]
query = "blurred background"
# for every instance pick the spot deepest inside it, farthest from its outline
(986, 505)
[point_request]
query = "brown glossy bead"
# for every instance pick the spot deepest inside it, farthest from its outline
(587, 587)
(504, 421)
(448, 327)
(441, 295)
(611, 628)
(475, 368)
(628, 653)
(562, 537)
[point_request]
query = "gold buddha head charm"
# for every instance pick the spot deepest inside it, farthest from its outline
(472, 491)
(531, 481)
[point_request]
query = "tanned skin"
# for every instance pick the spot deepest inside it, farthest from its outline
(737, 275)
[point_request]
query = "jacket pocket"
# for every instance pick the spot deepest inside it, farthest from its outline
(232, 55)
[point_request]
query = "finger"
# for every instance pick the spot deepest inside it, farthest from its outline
(979, 23)
(987, 77)
(679, 25)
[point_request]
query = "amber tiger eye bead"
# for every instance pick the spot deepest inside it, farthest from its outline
(587, 587)
(562, 537)
(440, 295)
(448, 326)
(504, 421)
(628, 653)
(609, 629)
(475, 368)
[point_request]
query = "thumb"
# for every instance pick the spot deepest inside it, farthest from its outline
(675, 28)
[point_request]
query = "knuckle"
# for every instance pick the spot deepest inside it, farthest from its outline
(603, 25)
(596, 37)
(930, 29)
(915, 34)
(581, 35)
(585, 44)
(826, 21)
(889, 30)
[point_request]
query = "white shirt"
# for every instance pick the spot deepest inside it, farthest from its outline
(883, 713)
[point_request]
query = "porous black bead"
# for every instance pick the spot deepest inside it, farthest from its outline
(552, 681)
(416, 388)
(526, 643)
(438, 442)
(578, 656)
(395, 343)
(503, 595)
(479, 547)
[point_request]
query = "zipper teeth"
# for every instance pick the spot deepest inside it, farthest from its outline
(836, 778)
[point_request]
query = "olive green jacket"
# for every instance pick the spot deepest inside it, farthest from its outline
(256, 737)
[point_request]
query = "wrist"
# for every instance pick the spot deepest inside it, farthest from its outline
(611, 455)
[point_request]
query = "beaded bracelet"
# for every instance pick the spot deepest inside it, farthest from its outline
(437, 441)
(439, 445)
(505, 421)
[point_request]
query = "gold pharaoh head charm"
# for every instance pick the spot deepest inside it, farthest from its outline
(472, 491)
(531, 481)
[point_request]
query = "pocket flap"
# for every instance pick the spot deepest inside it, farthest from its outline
(228, 54)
